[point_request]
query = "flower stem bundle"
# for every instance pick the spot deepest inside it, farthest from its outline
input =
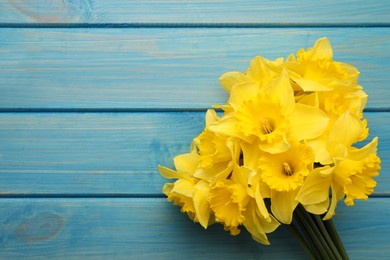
(316, 236)
(287, 135)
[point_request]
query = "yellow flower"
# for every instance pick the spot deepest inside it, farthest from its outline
(284, 173)
(188, 192)
(257, 225)
(228, 200)
(257, 188)
(185, 164)
(337, 102)
(315, 69)
(213, 147)
(314, 194)
(191, 197)
(355, 172)
(219, 170)
(234, 204)
(351, 176)
(270, 116)
(261, 71)
(344, 130)
(181, 193)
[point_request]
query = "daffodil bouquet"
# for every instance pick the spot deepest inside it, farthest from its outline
(281, 151)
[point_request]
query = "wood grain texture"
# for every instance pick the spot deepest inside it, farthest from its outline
(91, 153)
(177, 11)
(147, 68)
(112, 153)
(151, 228)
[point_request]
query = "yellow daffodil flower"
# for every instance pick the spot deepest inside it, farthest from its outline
(270, 115)
(315, 69)
(188, 192)
(350, 174)
(213, 147)
(257, 225)
(261, 71)
(218, 155)
(233, 204)
(228, 200)
(284, 173)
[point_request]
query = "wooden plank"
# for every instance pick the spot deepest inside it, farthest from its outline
(105, 153)
(98, 153)
(191, 11)
(146, 228)
(146, 68)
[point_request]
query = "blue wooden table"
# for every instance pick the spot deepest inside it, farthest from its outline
(95, 94)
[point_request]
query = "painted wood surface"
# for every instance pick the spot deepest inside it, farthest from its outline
(190, 11)
(111, 153)
(151, 228)
(146, 68)
(94, 94)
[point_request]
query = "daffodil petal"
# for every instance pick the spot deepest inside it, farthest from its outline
(361, 154)
(307, 122)
(351, 71)
(322, 50)
(183, 187)
(310, 85)
(211, 117)
(279, 146)
(242, 92)
(251, 154)
(214, 173)
(233, 145)
(283, 204)
(269, 225)
(264, 189)
(310, 100)
(337, 194)
(315, 188)
(167, 188)
(252, 224)
(227, 126)
(241, 174)
(260, 203)
(230, 79)
(281, 88)
(201, 204)
(319, 208)
(171, 174)
(346, 130)
(322, 154)
(263, 70)
(187, 162)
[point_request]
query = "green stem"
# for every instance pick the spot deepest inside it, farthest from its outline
(311, 232)
(294, 231)
(306, 236)
(326, 235)
(329, 225)
(317, 232)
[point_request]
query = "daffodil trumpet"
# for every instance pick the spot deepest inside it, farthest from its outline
(285, 140)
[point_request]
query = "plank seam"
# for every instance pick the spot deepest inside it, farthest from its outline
(77, 196)
(101, 110)
(107, 196)
(194, 25)
(132, 110)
